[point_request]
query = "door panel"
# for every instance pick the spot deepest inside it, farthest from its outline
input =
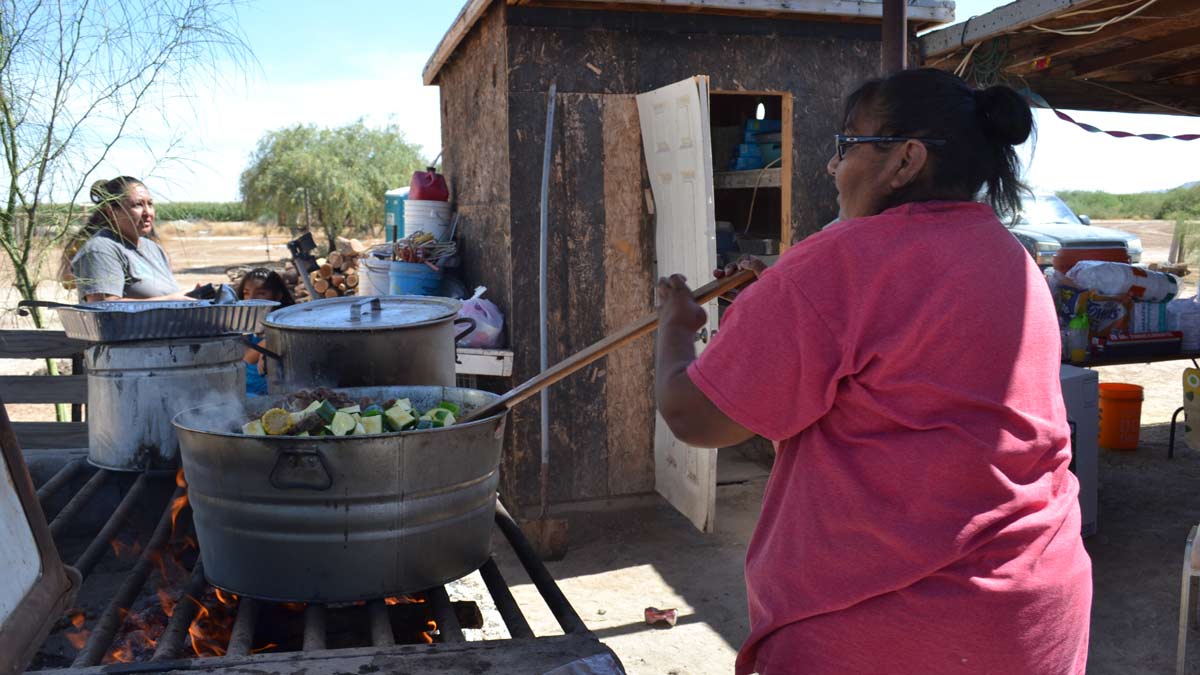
(675, 136)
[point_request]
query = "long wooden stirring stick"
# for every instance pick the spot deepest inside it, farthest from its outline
(578, 360)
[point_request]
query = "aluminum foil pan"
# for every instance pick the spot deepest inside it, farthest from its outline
(125, 321)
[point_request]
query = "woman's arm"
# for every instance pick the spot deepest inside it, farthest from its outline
(687, 411)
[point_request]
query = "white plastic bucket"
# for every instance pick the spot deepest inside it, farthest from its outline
(375, 280)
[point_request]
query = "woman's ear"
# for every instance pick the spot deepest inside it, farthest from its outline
(912, 158)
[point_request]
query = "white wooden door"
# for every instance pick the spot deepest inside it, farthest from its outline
(678, 147)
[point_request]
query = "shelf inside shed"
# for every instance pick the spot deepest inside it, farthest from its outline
(733, 180)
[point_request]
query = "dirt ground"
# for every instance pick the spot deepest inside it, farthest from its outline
(638, 552)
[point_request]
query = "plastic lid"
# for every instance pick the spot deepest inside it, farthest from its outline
(364, 313)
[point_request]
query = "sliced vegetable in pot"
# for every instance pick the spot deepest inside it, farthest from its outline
(332, 416)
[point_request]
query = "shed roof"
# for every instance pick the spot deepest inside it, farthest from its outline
(921, 14)
(1113, 55)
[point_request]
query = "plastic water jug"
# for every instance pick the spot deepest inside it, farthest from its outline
(428, 185)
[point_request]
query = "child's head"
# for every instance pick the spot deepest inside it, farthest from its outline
(263, 284)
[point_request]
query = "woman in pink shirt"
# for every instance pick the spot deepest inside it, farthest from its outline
(920, 517)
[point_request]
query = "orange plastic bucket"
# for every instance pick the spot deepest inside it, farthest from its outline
(1120, 415)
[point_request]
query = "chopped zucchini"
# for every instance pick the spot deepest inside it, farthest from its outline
(254, 428)
(312, 407)
(372, 410)
(398, 419)
(277, 422)
(342, 424)
(326, 411)
(424, 424)
(302, 433)
(372, 424)
(350, 409)
(359, 429)
(447, 405)
(405, 404)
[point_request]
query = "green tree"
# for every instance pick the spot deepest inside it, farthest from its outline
(75, 78)
(334, 178)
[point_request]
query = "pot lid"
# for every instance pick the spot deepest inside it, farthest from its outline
(369, 313)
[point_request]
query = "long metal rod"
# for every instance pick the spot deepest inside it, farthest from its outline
(443, 613)
(543, 293)
(563, 612)
(242, 637)
(170, 644)
(381, 624)
(100, 543)
(509, 610)
(77, 502)
(314, 628)
(58, 480)
(102, 635)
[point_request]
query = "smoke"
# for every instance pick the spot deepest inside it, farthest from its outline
(216, 411)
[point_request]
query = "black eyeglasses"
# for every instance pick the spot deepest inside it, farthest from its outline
(844, 142)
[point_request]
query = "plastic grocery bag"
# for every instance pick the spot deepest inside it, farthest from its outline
(1114, 278)
(489, 322)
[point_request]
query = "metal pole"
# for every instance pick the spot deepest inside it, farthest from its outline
(79, 501)
(381, 624)
(895, 36)
(547, 152)
(314, 628)
(114, 614)
(58, 480)
(100, 542)
(170, 644)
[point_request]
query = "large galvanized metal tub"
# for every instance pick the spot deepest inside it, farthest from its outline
(338, 519)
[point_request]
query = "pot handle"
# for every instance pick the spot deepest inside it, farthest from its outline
(470, 329)
(356, 309)
(304, 469)
(262, 350)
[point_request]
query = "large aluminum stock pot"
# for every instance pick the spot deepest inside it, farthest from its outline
(362, 342)
(339, 519)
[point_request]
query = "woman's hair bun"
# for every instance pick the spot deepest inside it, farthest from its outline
(99, 192)
(1003, 114)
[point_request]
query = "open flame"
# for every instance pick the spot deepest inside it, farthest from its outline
(404, 600)
(78, 637)
(213, 626)
(430, 629)
(125, 552)
(181, 501)
(137, 641)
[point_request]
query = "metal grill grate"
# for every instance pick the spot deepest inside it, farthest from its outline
(276, 637)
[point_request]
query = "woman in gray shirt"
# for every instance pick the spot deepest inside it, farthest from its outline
(119, 261)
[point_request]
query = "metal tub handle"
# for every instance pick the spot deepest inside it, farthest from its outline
(303, 469)
(356, 309)
(470, 329)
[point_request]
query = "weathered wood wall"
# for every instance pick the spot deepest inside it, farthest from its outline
(601, 238)
(475, 160)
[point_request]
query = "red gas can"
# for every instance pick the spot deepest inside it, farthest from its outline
(428, 185)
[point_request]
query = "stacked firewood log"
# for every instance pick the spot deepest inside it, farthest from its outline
(337, 273)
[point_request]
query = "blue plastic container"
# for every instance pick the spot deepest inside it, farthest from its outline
(413, 279)
(393, 209)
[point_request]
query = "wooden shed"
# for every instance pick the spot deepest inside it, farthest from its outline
(789, 62)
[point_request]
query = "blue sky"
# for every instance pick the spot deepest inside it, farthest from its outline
(327, 64)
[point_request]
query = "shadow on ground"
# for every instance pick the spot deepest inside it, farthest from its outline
(622, 561)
